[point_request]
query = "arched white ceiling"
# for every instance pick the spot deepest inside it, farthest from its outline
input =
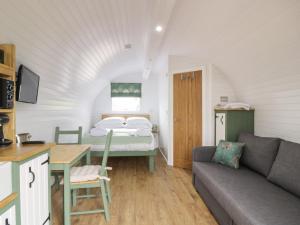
(256, 44)
(248, 40)
(77, 45)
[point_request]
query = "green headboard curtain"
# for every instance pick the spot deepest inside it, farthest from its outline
(126, 90)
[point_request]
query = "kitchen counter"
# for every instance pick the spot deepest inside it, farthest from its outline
(18, 152)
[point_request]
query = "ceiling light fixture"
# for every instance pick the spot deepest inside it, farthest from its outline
(158, 28)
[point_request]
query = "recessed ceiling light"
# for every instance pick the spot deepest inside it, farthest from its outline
(158, 28)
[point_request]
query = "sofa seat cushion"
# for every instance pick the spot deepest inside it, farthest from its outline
(285, 171)
(259, 152)
(249, 198)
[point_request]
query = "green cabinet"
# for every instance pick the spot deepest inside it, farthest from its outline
(230, 123)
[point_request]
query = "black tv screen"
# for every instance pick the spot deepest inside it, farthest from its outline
(27, 85)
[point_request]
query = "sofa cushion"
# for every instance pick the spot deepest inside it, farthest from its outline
(228, 153)
(249, 198)
(259, 152)
(286, 169)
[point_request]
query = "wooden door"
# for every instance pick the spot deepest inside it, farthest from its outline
(187, 116)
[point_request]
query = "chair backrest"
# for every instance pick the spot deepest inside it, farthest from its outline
(59, 132)
(106, 153)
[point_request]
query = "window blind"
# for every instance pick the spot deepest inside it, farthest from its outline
(126, 90)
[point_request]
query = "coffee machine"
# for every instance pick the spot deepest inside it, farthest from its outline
(3, 120)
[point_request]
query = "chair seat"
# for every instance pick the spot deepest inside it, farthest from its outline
(84, 174)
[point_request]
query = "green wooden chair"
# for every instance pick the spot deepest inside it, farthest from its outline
(93, 176)
(59, 132)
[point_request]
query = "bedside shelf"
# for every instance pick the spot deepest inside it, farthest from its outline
(6, 70)
(8, 200)
(6, 110)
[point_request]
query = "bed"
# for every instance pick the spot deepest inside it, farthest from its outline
(125, 142)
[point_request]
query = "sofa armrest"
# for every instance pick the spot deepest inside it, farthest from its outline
(203, 153)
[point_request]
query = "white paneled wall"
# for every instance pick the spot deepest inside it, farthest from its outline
(220, 86)
(277, 106)
(149, 103)
(163, 105)
(41, 120)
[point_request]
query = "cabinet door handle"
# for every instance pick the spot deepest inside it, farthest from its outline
(33, 177)
(6, 222)
(48, 218)
(46, 161)
(222, 120)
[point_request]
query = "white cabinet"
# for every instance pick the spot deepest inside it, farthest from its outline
(6, 180)
(220, 127)
(34, 191)
(8, 217)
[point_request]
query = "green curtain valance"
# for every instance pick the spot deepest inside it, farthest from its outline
(126, 90)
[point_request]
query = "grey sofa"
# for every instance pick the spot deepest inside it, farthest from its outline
(265, 190)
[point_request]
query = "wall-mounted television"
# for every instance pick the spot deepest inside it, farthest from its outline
(27, 85)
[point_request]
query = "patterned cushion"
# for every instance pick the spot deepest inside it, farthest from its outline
(228, 153)
(85, 173)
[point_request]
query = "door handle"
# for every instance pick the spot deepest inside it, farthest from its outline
(222, 120)
(7, 222)
(33, 177)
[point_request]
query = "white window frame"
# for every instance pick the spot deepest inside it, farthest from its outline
(123, 108)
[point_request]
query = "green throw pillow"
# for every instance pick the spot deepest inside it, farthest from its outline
(228, 153)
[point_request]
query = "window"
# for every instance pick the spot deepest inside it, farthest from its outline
(126, 104)
(126, 97)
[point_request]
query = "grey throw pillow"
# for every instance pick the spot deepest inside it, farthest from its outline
(285, 171)
(259, 152)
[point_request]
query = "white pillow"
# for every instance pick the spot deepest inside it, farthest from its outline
(138, 123)
(111, 123)
(143, 132)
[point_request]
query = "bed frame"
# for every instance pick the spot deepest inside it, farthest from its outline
(103, 116)
(150, 154)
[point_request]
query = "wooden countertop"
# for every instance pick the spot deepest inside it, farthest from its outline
(17, 152)
(67, 153)
(8, 200)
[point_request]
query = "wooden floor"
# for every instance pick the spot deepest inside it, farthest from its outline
(166, 197)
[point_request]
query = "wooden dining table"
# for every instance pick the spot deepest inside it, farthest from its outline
(63, 158)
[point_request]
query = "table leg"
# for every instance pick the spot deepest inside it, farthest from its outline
(88, 158)
(88, 162)
(67, 196)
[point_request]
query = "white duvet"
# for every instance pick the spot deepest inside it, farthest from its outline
(98, 132)
(130, 147)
